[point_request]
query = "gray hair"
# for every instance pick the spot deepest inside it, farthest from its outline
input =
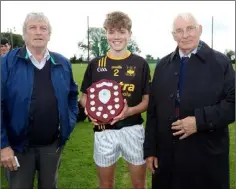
(185, 16)
(37, 16)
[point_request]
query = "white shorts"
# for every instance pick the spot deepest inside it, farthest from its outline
(110, 145)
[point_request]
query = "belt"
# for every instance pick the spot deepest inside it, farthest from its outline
(117, 126)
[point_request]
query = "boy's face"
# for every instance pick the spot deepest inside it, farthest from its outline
(5, 48)
(118, 38)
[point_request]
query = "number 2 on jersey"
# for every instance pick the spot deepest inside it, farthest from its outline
(116, 72)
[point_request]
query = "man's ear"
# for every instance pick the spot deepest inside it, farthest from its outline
(130, 34)
(200, 30)
(174, 37)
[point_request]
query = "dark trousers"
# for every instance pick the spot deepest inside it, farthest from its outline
(45, 160)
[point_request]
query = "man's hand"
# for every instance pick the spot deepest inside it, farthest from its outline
(126, 112)
(152, 163)
(7, 159)
(185, 127)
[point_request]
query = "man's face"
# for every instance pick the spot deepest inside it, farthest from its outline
(187, 34)
(5, 48)
(118, 38)
(37, 34)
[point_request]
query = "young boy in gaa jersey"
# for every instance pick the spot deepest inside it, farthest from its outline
(125, 134)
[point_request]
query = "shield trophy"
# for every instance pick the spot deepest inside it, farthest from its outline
(104, 100)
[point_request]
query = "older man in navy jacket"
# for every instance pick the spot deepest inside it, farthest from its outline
(192, 102)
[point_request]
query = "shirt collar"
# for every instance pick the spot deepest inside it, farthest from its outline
(46, 55)
(203, 51)
(181, 54)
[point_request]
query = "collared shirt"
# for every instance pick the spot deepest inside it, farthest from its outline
(36, 63)
(181, 54)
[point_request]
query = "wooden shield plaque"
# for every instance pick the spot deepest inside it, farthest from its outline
(104, 100)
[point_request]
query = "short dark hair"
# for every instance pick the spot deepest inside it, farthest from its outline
(4, 41)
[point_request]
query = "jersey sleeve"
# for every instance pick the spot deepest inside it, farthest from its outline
(146, 82)
(87, 80)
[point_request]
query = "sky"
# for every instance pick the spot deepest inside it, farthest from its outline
(151, 22)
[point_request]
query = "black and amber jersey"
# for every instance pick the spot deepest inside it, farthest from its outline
(131, 72)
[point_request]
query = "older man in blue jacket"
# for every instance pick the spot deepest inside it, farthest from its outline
(39, 107)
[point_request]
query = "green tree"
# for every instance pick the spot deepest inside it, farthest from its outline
(133, 47)
(15, 38)
(73, 59)
(149, 57)
(231, 55)
(98, 45)
(97, 42)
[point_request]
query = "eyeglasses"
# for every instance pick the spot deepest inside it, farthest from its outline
(188, 30)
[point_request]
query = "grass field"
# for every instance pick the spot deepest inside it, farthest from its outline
(78, 170)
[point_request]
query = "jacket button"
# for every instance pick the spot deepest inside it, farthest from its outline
(171, 95)
(176, 74)
(170, 118)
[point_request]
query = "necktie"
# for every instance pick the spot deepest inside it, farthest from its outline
(183, 64)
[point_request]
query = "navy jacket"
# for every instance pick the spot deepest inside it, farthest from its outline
(208, 93)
